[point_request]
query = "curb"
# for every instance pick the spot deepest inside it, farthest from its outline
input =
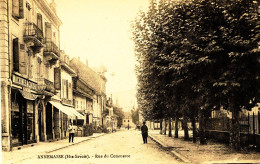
(28, 157)
(174, 153)
(179, 156)
(157, 141)
(90, 137)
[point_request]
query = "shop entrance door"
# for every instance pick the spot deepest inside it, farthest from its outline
(24, 123)
(49, 125)
(56, 123)
(40, 122)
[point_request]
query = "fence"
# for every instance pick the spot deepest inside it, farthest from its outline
(219, 128)
(248, 124)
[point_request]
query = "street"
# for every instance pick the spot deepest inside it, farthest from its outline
(120, 147)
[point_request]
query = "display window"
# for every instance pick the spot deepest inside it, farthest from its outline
(30, 121)
(15, 120)
(22, 120)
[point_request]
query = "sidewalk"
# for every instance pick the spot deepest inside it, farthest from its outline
(190, 152)
(41, 148)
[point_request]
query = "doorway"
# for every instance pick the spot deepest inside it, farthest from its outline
(40, 122)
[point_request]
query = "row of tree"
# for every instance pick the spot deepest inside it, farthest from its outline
(196, 56)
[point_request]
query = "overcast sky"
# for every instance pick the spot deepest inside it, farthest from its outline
(100, 31)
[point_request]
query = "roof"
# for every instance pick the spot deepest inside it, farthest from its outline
(127, 115)
(93, 79)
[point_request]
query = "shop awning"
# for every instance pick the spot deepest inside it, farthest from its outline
(72, 110)
(67, 110)
(62, 108)
(28, 95)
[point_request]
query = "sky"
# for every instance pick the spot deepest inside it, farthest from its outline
(100, 31)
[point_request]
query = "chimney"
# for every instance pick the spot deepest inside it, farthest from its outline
(87, 62)
(53, 6)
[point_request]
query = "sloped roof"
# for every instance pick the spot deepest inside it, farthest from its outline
(127, 115)
(93, 79)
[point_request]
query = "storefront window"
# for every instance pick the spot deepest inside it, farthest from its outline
(64, 122)
(16, 120)
(30, 122)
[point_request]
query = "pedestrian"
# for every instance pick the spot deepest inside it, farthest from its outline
(71, 132)
(144, 130)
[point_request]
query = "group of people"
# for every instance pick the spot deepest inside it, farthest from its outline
(72, 129)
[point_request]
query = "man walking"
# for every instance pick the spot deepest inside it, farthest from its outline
(71, 132)
(144, 130)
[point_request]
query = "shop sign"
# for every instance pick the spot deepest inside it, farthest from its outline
(24, 82)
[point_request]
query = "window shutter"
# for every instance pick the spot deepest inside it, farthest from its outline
(70, 91)
(15, 8)
(23, 61)
(39, 20)
(57, 78)
(21, 10)
(67, 89)
(64, 88)
(16, 55)
(48, 31)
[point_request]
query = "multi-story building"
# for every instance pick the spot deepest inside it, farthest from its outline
(29, 54)
(108, 115)
(62, 106)
(96, 83)
(109, 118)
(83, 99)
(36, 88)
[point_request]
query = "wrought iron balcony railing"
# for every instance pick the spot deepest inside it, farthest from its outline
(46, 85)
(32, 31)
(51, 47)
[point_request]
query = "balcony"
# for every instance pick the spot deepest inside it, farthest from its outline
(33, 36)
(51, 51)
(46, 85)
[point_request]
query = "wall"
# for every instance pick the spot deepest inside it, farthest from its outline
(78, 101)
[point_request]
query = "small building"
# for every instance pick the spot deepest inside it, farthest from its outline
(127, 121)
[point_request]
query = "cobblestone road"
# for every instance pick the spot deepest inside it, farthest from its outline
(120, 147)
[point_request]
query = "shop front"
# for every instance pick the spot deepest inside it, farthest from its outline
(63, 115)
(22, 117)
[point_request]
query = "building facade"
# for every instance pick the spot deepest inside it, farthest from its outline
(36, 80)
(29, 54)
(96, 82)
(83, 99)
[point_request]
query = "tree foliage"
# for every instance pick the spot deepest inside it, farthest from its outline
(197, 55)
(119, 112)
(135, 116)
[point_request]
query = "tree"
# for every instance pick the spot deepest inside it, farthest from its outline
(119, 112)
(135, 116)
(197, 55)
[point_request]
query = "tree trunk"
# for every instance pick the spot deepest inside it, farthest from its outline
(170, 127)
(235, 127)
(165, 127)
(161, 129)
(176, 127)
(185, 128)
(202, 128)
(194, 129)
